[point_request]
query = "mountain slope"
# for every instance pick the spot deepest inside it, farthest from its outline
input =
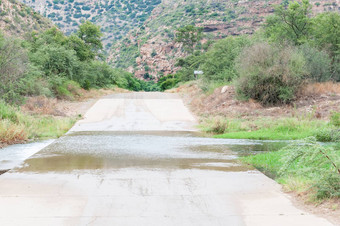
(17, 19)
(138, 34)
(116, 17)
(149, 51)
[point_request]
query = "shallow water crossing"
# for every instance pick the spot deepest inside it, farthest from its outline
(105, 172)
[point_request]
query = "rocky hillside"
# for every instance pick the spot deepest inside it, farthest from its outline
(116, 17)
(149, 51)
(17, 19)
(138, 34)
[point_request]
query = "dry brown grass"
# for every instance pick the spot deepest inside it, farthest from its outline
(42, 105)
(321, 88)
(316, 100)
(11, 133)
(60, 107)
(95, 93)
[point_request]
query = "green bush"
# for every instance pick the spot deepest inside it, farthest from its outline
(56, 60)
(328, 135)
(64, 88)
(8, 112)
(218, 126)
(169, 81)
(100, 74)
(335, 119)
(270, 74)
(219, 63)
(318, 63)
(13, 66)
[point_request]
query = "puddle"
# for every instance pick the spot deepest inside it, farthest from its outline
(13, 155)
(147, 150)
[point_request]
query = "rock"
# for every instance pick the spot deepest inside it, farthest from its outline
(224, 89)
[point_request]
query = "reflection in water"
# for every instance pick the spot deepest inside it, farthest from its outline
(149, 150)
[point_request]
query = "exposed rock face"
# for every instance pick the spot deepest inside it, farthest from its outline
(157, 53)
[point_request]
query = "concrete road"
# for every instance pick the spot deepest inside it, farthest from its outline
(135, 159)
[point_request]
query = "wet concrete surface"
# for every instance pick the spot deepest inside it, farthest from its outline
(151, 177)
(14, 155)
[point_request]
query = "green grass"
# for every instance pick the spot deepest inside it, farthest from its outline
(264, 128)
(42, 127)
(305, 166)
(267, 134)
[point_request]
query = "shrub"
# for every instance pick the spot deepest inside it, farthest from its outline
(57, 60)
(169, 81)
(218, 125)
(318, 63)
(8, 112)
(64, 88)
(13, 65)
(328, 135)
(335, 119)
(219, 64)
(35, 86)
(270, 74)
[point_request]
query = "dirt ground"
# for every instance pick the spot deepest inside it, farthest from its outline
(316, 100)
(328, 209)
(66, 108)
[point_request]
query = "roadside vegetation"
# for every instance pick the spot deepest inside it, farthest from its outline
(292, 48)
(52, 65)
(307, 167)
(17, 126)
(266, 128)
(266, 87)
(271, 67)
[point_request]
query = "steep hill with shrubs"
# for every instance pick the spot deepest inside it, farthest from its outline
(18, 19)
(138, 34)
(294, 48)
(116, 17)
(150, 51)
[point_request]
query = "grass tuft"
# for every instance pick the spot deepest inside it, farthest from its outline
(18, 127)
(265, 128)
(304, 166)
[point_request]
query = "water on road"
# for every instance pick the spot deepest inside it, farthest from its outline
(114, 168)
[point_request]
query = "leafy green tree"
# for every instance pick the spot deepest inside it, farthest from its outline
(56, 60)
(189, 36)
(91, 35)
(50, 36)
(83, 50)
(188, 65)
(291, 23)
(13, 66)
(219, 64)
(326, 31)
(270, 74)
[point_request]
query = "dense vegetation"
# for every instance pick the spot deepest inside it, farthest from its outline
(17, 126)
(52, 64)
(292, 48)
